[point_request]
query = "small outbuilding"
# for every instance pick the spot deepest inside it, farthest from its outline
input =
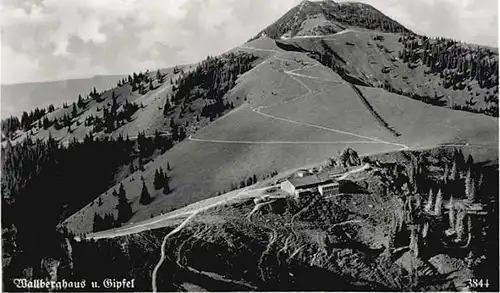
(302, 173)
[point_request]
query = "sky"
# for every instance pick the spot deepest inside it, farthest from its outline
(45, 40)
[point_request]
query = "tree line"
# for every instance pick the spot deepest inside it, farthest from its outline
(210, 81)
(43, 183)
(454, 61)
(457, 65)
(12, 124)
(432, 212)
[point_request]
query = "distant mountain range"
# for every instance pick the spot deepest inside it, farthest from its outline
(20, 97)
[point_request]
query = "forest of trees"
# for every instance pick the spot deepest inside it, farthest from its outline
(142, 82)
(108, 122)
(113, 117)
(457, 64)
(12, 124)
(461, 180)
(442, 211)
(454, 61)
(123, 209)
(161, 181)
(211, 80)
(43, 183)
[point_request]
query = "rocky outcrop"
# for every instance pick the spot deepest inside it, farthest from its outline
(349, 158)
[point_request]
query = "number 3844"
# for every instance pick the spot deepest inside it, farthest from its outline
(478, 283)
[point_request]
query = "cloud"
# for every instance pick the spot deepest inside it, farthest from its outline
(473, 21)
(61, 39)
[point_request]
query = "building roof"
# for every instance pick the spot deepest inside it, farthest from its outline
(307, 181)
(329, 184)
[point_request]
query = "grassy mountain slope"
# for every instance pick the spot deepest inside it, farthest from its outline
(24, 96)
(152, 101)
(192, 109)
(425, 125)
(373, 58)
(279, 112)
(208, 164)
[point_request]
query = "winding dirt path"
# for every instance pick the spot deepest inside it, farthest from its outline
(294, 75)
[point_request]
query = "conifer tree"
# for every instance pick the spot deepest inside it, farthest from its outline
(430, 201)
(469, 227)
(166, 187)
(123, 206)
(164, 176)
(425, 230)
(459, 226)
(158, 180)
(182, 133)
(479, 186)
(470, 186)
(451, 213)
(97, 223)
(454, 176)
(391, 243)
(80, 101)
(159, 77)
(166, 107)
(414, 242)
(412, 172)
(446, 174)
(145, 196)
(439, 204)
(460, 159)
(74, 112)
(168, 166)
(418, 202)
(470, 161)
(45, 123)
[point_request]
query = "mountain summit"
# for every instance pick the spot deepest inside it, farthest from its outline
(329, 17)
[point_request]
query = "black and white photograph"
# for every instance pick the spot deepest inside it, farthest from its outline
(249, 145)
